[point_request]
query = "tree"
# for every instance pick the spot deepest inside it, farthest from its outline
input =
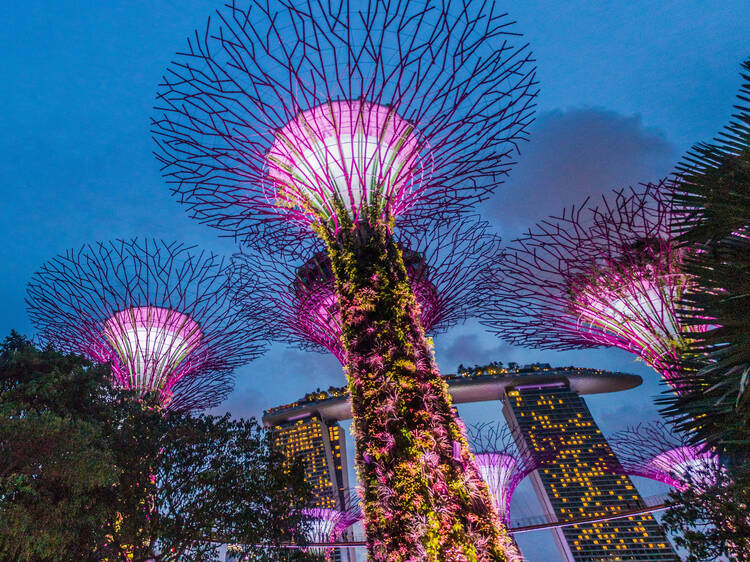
(714, 178)
(220, 478)
(56, 467)
(711, 521)
(90, 472)
(712, 403)
(713, 187)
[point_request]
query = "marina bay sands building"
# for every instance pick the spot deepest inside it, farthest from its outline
(320, 443)
(548, 417)
(551, 419)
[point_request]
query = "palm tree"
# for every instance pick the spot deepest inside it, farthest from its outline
(712, 184)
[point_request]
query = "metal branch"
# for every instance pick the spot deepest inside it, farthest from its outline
(161, 314)
(657, 451)
(605, 274)
(295, 296)
(502, 466)
(447, 91)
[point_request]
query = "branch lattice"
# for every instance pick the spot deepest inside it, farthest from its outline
(502, 466)
(599, 275)
(659, 452)
(295, 297)
(160, 313)
(278, 114)
(330, 524)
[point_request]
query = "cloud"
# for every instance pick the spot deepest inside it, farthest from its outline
(469, 346)
(573, 154)
(243, 403)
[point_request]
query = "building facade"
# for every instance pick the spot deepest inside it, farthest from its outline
(545, 411)
(319, 443)
(552, 420)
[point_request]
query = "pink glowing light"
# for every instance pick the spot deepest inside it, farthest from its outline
(681, 465)
(328, 525)
(499, 472)
(349, 153)
(633, 307)
(500, 463)
(151, 346)
(161, 314)
(600, 275)
(296, 295)
(317, 311)
(659, 452)
(275, 111)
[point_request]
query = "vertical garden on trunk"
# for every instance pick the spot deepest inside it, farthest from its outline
(424, 495)
(285, 124)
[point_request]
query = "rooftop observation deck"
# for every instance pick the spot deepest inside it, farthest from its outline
(479, 384)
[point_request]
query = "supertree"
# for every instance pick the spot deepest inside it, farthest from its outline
(606, 275)
(160, 313)
(297, 300)
(501, 464)
(654, 450)
(288, 119)
(329, 525)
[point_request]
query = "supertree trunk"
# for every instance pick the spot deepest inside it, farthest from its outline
(424, 496)
(287, 117)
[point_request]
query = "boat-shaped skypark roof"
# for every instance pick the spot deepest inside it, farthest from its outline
(478, 384)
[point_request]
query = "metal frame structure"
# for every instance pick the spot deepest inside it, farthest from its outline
(329, 525)
(659, 452)
(292, 112)
(598, 275)
(160, 313)
(503, 467)
(284, 121)
(297, 301)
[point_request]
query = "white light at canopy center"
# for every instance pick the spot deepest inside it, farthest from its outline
(322, 526)
(348, 151)
(151, 344)
(497, 470)
(641, 312)
(351, 165)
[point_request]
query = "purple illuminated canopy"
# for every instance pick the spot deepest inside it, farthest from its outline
(348, 153)
(296, 296)
(358, 123)
(659, 452)
(502, 466)
(152, 344)
(328, 525)
(316, 314)
(160, 313)
(599, 275)
(299, 111)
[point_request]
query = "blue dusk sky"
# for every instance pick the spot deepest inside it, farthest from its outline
(626, 88)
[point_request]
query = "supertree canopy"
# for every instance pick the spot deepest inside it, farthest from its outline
(654, 450)
(606, 275)
(297, 299)
(318, 112)
(329, 525)
(350, 120)
(160, 314)
(501, 464)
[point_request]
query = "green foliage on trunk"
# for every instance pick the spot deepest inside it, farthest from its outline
(424, 497)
